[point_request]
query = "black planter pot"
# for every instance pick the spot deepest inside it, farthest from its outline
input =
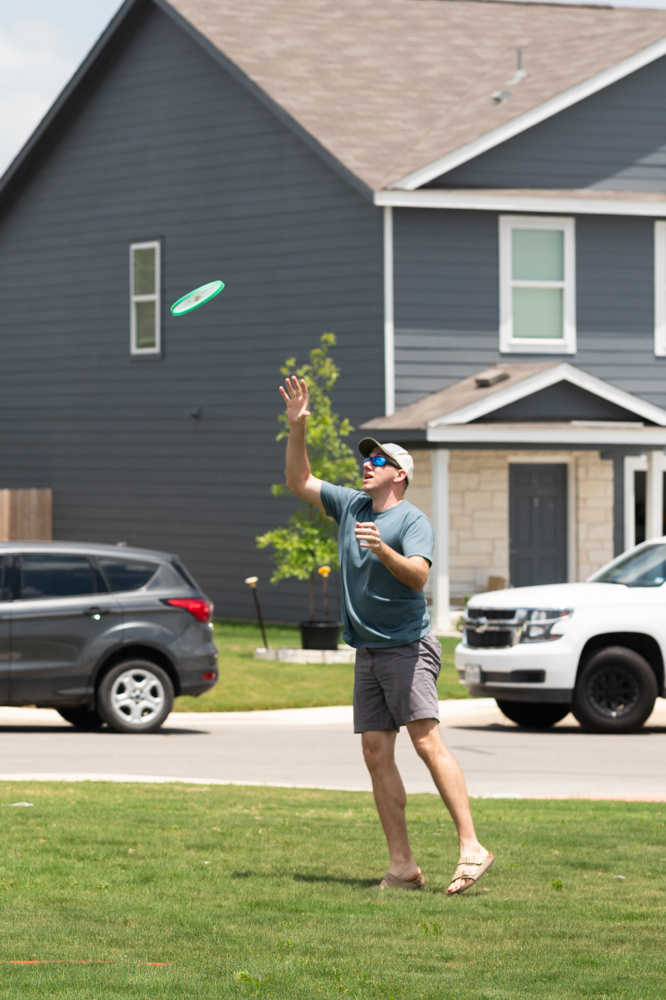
(320, 635)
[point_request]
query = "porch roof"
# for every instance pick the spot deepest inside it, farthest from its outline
(505, 405)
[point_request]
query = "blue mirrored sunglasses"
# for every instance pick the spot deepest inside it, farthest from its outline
(380, 460)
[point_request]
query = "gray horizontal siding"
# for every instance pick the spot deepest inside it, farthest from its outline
(447, 301)
(169, 146)
(614, 140)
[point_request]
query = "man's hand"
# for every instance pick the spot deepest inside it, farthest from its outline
(410, 570)
(299, 475)
(368, 536)
(296, 398)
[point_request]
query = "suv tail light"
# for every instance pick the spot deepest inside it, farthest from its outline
(202, 610)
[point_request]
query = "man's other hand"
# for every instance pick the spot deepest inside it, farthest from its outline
(410, 570)
(296, 399)
(368, 536)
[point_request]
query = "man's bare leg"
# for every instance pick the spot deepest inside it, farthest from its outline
(390, 799)
(450, 783)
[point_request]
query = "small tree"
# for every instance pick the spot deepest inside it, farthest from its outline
(310, 538)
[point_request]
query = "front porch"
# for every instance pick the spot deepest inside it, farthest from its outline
(528, 501)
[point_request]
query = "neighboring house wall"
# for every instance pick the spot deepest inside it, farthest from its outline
(169, 146)
(614, 140)
(447, 301)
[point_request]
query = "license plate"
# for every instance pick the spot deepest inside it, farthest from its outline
(473, 673)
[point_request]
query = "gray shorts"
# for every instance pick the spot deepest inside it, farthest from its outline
(397, 685)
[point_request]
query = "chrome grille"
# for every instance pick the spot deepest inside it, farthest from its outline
(485, 640)
(495, 628)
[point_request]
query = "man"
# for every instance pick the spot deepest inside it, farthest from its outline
(385, 547)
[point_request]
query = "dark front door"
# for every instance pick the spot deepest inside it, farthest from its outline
(62, 620)
(537, 524)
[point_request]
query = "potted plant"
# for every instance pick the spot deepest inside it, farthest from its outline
(309, 540)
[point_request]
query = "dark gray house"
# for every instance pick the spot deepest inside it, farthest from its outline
(469, 194)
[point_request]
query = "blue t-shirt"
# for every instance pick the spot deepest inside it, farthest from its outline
(378, 610)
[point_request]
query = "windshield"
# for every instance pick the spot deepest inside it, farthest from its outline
(644, 567)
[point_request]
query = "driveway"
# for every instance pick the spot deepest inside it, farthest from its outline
(316, 748)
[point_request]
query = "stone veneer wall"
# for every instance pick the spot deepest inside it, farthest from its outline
(594, 497)
(479, 507)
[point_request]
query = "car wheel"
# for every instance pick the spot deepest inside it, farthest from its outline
(531, 715)
(615, 692)
(82, 718)
(135, 697)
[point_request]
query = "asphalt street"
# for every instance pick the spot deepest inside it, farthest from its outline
(317, 748)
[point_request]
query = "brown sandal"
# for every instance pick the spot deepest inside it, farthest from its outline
(393, 882)
(470, 869)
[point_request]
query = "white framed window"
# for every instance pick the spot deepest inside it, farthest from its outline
(145, 334)
(537, 285)
(660, 289)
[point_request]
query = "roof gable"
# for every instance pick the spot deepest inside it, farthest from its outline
(612, 141)
(388, 86)
(496, 391)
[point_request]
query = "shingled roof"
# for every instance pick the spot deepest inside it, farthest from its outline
(389, 86)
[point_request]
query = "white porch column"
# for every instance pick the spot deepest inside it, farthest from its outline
(441, 618)
(654, 495)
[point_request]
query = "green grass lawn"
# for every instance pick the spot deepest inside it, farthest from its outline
(142, 891)
(247, 684)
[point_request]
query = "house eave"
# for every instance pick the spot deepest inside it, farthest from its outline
(563, 372)
(601, 203)
(536, 435)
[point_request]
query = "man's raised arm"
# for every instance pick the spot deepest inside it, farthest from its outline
(299, 476)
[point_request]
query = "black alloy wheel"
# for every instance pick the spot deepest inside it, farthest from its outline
(531, 715)
(615, 692)
(82, 718)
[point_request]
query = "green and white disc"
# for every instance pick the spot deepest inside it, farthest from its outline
(197, 298)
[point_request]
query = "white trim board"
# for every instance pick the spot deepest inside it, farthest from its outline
(499, 202)
(572, 506)
(659, 289)
(492, 434)
(563, 372)
(525, 121)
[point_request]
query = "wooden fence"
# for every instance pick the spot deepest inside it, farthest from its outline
(26, 515)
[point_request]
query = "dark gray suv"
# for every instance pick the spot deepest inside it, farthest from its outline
(103, 633)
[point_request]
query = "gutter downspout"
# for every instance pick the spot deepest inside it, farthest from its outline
(389, 327)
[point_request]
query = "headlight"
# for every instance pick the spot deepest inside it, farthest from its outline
(538, 624)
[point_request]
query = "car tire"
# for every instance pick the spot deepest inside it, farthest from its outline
(615, 692)
(532, 715)
(82, 718)
(135, 696)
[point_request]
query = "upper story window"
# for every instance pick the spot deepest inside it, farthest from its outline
(145, 298)
(537, 285)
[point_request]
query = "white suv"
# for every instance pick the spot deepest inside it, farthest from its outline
(596, 649)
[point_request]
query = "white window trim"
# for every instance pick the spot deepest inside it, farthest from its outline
(522, 345)
(156, 298)
(545, 458)
(660, 289)
(632, 464)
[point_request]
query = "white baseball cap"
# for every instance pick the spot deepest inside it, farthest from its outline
(399, 454)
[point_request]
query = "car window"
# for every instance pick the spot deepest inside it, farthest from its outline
(127, 574)
(49, 575)
(5, 581)
(644, 567)
(183, 572)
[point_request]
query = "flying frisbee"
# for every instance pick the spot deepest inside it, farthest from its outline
(196, 298)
